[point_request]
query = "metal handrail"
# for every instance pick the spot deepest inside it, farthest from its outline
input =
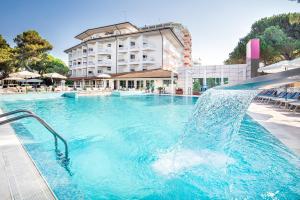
(45, 124)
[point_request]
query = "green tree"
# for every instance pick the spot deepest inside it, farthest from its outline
(276, 45)
(50, 64)
(31, 48)
(6, 58)
(289, 25)
(57, 65)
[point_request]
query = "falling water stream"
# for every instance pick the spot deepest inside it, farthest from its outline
(210, 131)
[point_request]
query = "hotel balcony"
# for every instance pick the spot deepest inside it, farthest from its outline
(91, 63)
(104, 63)
(122, 61)
(134, 48)
(122, 49)
(149, 60)
(104, 51)
(149, 47)
(134, 61)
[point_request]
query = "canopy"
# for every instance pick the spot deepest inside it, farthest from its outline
(54, 76)
(31, 81)
(281, 66)
(295, 62)
(24, 74)
(13, 79)
(103, 76)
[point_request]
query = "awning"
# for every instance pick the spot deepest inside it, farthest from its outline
(281, 66)
(156, 73)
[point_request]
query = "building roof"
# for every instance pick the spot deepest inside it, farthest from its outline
(126, 34)
(92, 31)
(155, 73)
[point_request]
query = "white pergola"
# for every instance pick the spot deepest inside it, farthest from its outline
(281, 66)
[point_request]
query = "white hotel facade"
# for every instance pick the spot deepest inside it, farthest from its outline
(133, 57)
(123, 56)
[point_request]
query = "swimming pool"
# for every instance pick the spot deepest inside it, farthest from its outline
(115, 142)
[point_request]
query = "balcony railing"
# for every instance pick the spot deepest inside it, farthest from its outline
(104, 50)
(148, 60)
(148, 46)
(91, 63)
(134, 60)
(122, 48)
(134, 47)
(104, 62)
(122, 60)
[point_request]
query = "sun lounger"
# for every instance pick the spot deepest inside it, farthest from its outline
(295, 105)
(288, 96)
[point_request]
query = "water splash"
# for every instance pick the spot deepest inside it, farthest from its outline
(209, 132)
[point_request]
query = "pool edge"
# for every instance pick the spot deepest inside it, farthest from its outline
(36, 173)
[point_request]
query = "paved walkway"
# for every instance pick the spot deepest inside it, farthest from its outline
(19, 178)
(285, 125)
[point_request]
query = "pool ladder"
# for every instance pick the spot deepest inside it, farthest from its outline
(30, 114)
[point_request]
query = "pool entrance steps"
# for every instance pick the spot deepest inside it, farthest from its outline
(30, 114)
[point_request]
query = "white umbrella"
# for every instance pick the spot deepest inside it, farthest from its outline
(103, 76)
(14, 79)
(31, 81)
(25, 74)
(55, 76)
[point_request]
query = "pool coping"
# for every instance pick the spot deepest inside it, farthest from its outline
(280, 123)
(21, 176)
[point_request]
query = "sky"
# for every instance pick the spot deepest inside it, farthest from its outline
(215, 25)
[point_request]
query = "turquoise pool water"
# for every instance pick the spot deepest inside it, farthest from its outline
(118, 148)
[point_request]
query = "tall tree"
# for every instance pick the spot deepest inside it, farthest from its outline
(50, 64)
(31, 48)
(276, 45)
(6, 58)
(290, 26)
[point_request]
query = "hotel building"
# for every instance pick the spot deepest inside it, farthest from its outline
(125, 56)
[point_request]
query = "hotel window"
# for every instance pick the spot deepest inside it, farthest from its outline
(121, 45)
(166, 82)
(108, 68)
(84, 51)
(90, 72)
(109, 45)
(123, 84)
(130, 84)
(132, 70)
(132, 56)
(132, 44)
(91, 49)
(226, 80)
(99, 71)
(212, 82)
(108, 57)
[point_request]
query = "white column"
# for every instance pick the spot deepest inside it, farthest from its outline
(222, 74)
(172, 82)
(204, 79)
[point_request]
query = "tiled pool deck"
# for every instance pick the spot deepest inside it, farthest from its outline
(285, 125)
(19, 177)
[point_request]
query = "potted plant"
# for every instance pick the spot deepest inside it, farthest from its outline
(179, 91)
(160, 90)
(196, 87)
